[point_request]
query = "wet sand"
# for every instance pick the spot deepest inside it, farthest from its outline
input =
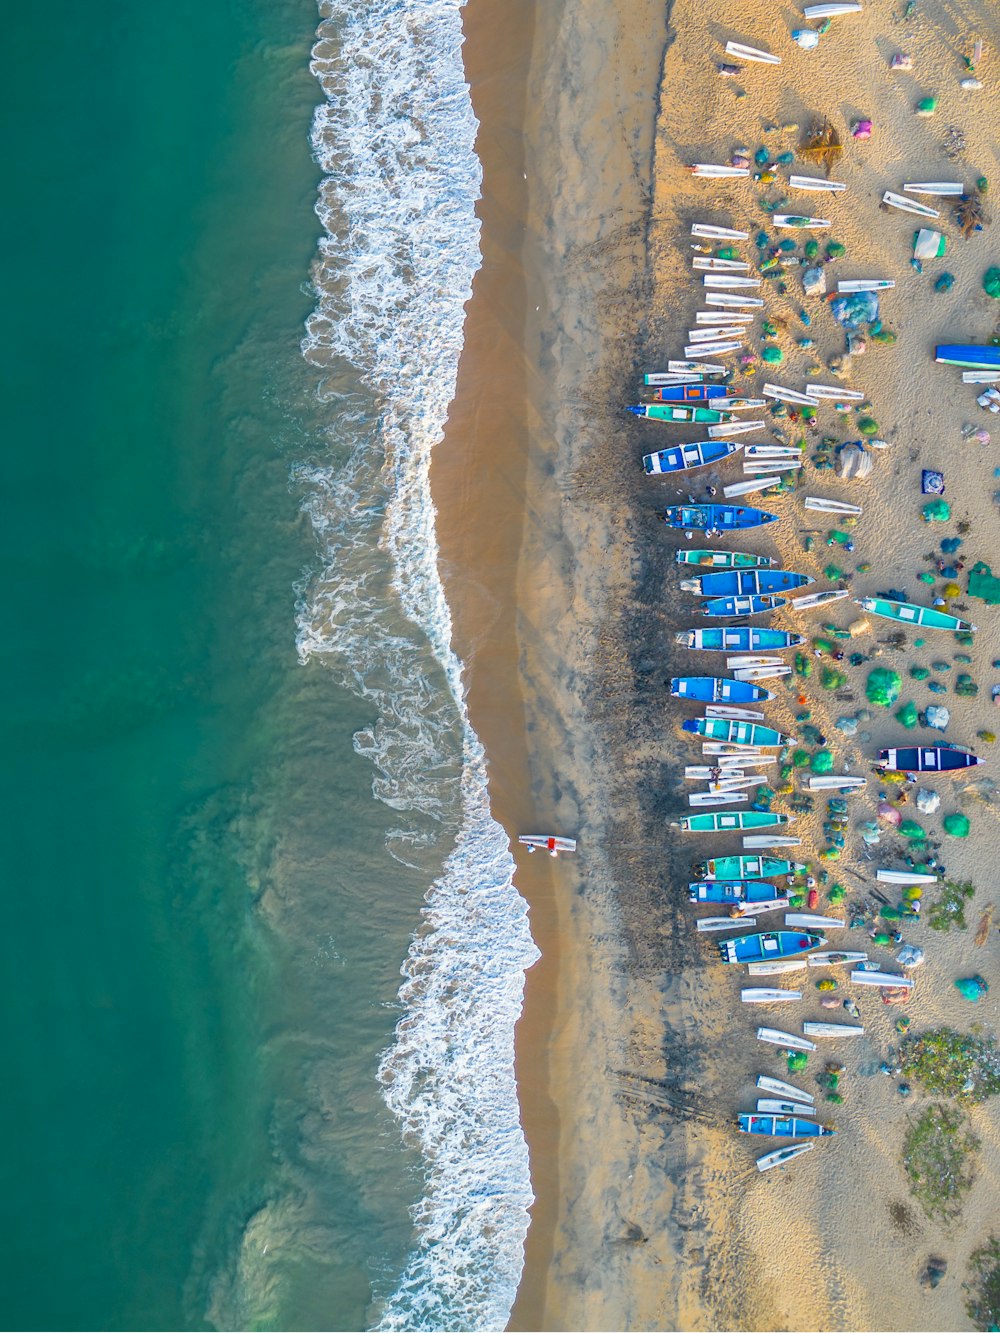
(633, 1052)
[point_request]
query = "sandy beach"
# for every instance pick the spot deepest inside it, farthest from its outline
(633, 1053)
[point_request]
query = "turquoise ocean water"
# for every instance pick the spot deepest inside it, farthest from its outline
(238, 771)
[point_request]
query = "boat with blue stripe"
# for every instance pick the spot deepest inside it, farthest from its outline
(733, 891)
(717, 690)
(736, 582)
(769, 944)
(683, 457)
(732, 607)
(739, 639)
(716, 518)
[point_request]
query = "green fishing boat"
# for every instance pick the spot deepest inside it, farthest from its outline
(723, 559)
(908, 613)
(722, 821)
(669, 412)
(746, 867)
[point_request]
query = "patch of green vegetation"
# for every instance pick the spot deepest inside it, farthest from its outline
(983, 1287)
(948, 909)
(937, 1157)
(953, 1064)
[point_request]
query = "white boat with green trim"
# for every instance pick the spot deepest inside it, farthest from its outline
(909, 613)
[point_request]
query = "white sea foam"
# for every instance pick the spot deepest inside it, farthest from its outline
(395, 139)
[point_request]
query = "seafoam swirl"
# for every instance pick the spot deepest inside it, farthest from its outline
(395, 137)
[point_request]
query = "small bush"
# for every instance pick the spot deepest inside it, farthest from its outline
(937, 1158)
(948, 909)
(953, 1064)
(983, 1287)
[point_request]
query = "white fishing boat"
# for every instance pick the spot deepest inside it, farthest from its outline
(704, 772)
(942, 189)
(729, 710)
(833, 957)
(708, 368)
(728, 280)
(744, 661)
(765, 995)
(770, 905)
(765, 465)
(834, 782)
(724, 317)
(904, 877)
(905, 205)
(781, 1156)
(714, 264)
(814, 599)
(773, 451)
(786, 1040)
(748, 487)
(834, 391)
(700, 799)
(762, 840)
(712, 923)
(774, 1106)
(761, 673)
(661, 379)
(728, 428)
(797, 222)
(735, 300)
(713, 233)
(822, 506)
(768, 1084)
(742, 52)
(866, 285)
(862, 977)
(833, 1030)
(547, 842)
(722, 749)
(718, 171)
(776, 966)
(784, 395)
(831, 11)
(809, 921)
(980, 376)
(716, 332)
(815, 183)
(713, 348)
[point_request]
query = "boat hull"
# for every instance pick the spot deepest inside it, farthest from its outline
(732, 892)
(746, 867)
(733, 732)
(739, 639)
(684, 457)
(723, 559)
(969, 356)
(716, 518)
(783, 1127)
(927, 759)
(727, 821)
(737, 582)
(689, 393)
(769, 944)
(718, 690)
(728, 608)
(909, 613)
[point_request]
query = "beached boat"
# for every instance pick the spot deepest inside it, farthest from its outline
(694, 368)
(784, 395)
(784, 1127)
(814, 599)
(775, 1106)
(734, 607)
(799, 222)
(832, 957)
(788, 1041)
(731, 892)
(682, 457)
(712, 233)
(717, 689)
(822, 506)
(734, 300)
(748, 487)
(863, 977)
(716, 797)
(742, 819)
(745, 661)
(908, 613)
(758, 842)
(546, 842)
(736, 733)
(768, 1084)
(739, 639)
(709, 924)
(726, 429)
(718, 171)
(722, 559)
(729, 281)
(833, 1029)
(721, 317)
(970, 356)
(816, 183)
(717, 333)
(833, 782)
(832, 11)
(762, 672)
(746, 867)
(942, 189)
(716, 518)
(713, 264)
(734, 582)
(768, 944)
(781, 1156)
(741, 52)
(809, 921)
(905, 205)
(904, 877)
(835, 391)
(689, 393)
(776, 966)
(664, 412)
(927, 759)
(716, 348)
(657, 378)
(980, 376)
(768, 995)
(865, 285)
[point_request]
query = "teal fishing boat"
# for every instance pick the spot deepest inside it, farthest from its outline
(666, 412)
(723, 559)
(739, 639)
(908, 613)
(724, 821)
(746, 868)
(733, 732)
(970, 356)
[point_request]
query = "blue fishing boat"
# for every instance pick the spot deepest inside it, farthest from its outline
(769, 944)
(970, 356)
(717, 690)
(716, 518)
(733, 891)
(682, 457)
(740, 606)
(733, 732)
(734, 582)
(739, 639)
(784, 1127)
(928, 759)
(746, 867)
(688, 393)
